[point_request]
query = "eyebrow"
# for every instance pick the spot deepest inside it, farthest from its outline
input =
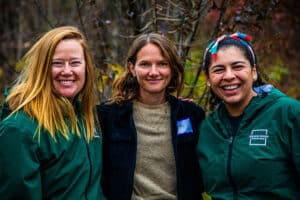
(238, 62)
(61, 59)
(233, 63)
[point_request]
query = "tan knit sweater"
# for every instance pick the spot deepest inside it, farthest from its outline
(155, 172)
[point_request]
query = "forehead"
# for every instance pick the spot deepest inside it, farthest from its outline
(230, 52)
(150, 50)
(69, 43)
(229, 56)
(69, 46)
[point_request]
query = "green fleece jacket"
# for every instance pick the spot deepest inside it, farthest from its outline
(262, 159)
(47, 169)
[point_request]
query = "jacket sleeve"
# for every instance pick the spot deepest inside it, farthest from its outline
(294, 124)
(19, 164)
(102, 112)
(197, 114)
(200, 115)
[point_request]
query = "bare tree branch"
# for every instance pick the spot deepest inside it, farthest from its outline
(216, 30)
(40, 11)
(78, 8)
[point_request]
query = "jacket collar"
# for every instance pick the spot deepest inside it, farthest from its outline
(256, 105)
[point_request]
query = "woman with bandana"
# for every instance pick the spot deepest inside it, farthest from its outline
(249, 146)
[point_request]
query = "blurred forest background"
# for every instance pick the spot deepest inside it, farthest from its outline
(111, 25)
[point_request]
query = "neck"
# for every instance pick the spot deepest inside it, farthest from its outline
(152, 99)
(237, 109)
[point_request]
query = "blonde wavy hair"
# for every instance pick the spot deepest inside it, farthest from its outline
(33, 90)
(126, 87)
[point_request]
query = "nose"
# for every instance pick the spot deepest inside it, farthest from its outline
(229, 74)
(67, 69)
(153, 70)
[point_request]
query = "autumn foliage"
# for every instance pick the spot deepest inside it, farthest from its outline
(111, 25)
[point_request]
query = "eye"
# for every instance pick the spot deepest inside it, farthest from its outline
(144, 64)
(57, 63)
(238, 67)
(75, 63)
(217, 70)
(163, 64)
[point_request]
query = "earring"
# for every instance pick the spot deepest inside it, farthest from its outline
(208, 84)
(254, 78)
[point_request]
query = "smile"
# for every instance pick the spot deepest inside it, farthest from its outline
(230, 87)
(66, 82)
(153, 80)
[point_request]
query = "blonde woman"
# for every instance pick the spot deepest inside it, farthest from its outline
(50, 147)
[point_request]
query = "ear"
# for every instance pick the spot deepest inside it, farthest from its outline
(254, 73)
(131, 69)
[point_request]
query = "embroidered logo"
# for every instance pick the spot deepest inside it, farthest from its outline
(184, 126)
(258, 137)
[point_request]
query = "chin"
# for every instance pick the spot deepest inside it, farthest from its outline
(231, 101)
(68, 96)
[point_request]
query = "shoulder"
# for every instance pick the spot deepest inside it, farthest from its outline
(281, 100)
(107, 113)
(107, 107)
(18, 126)
(288, 107)
(186, 108)
(19, 119)
(190, 105)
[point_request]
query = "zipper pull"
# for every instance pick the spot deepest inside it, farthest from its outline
(230, 140)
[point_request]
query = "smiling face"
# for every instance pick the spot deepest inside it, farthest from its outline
(231, 78)
(68, 68)
(153, 73)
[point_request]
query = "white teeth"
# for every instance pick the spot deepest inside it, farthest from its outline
(231, 87)
(66, 82)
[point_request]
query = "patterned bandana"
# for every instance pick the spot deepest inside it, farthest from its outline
(241, 37)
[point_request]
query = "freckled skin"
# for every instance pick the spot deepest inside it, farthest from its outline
(68, 68)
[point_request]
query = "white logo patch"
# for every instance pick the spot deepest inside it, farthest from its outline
(258, 137)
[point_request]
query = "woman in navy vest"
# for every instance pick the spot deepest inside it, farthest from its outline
(149, 134)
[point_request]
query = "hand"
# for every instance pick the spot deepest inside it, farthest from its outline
(186, 99)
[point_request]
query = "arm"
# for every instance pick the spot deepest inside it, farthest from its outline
(102, 114)
(19, 164)
(295, 135)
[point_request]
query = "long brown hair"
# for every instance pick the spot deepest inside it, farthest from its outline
(33, 90)
(126, 87)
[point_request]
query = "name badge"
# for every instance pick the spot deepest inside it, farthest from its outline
(184, 126)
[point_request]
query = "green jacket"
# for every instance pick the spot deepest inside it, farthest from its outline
(260, 161)
(47, 169)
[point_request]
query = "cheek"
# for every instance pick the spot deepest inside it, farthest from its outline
(213, 79)
(167, 73)
(83, 74)
(140, 74)
(54, 73)
(83, 78)
(82, 71)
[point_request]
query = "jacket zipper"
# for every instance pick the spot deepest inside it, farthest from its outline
(82, 132)
(230, 178)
